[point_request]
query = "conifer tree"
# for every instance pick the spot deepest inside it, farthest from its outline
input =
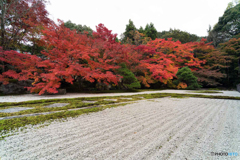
(128, 34)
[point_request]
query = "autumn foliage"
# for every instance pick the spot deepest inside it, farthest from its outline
(21, 21)
(69, 56)
(159, 60)
(215, 61)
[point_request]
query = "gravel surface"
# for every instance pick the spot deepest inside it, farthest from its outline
(28, 97)
(56, 105)
(89, 101)
(166, 128)
(14, 109)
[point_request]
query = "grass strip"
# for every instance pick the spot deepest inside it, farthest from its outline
(206, 91)
(37, 108)
(57, 100)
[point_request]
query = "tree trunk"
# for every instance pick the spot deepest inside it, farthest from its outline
(2, 25)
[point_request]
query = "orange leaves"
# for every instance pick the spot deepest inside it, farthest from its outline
(180, 54)
(160, 59)
(182, 85)
(153, 65)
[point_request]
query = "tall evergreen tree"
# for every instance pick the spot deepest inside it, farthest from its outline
(141, 30)
(232, 48)
(151, 31)
(129, 32)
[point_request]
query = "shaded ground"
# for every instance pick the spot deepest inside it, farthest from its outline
(28, 97)
(166, 128)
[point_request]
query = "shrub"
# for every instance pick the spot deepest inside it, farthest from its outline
(186, 76)
(129, 81)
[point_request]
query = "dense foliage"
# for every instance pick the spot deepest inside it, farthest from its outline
(128, 35)
(21, 21)
(186, 79)
(211, 73)
(228, 26)
(150, 31)
(129, 81)
(178, 35)
(78, 27)
(70, 56)
(232, 49)
(132, 35)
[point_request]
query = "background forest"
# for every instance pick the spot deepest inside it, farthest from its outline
(46, 56)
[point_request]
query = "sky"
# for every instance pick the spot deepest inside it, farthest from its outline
(193, 16)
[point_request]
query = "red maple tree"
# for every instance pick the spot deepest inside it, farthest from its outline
(21, 21)
(68, 55)
(215, 61)
(159, 60)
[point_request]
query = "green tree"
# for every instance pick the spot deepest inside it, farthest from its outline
(129, 81)
(177, 34)
(232, 48)
(186, 76)
(21, 21)
(228, 25)
(161, 34)
(78, 27)
(230, 5)
(128, 34)
(211, 73)
(141, 30)
(150, 31)
(117, 40)
(212, 36)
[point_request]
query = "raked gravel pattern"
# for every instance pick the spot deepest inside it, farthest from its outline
(166, 128)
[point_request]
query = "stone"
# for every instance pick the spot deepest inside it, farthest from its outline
(89, 101)
(62, 91)
(56, 105)
(18, 87)
(168, 97)
(11, 88)
(110, 100)
(238, 87)
(127, 98)
(14, 109)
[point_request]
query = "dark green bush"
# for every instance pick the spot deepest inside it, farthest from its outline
(185, 75)
(129, 81)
